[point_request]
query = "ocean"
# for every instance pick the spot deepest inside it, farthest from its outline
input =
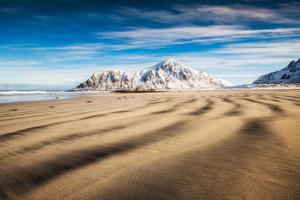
(9, 96)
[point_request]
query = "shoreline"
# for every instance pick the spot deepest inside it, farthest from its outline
(78, 94)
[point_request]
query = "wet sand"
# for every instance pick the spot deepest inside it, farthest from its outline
(176, 145)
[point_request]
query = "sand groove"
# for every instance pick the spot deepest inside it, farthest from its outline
(192, 145)
(12, 135)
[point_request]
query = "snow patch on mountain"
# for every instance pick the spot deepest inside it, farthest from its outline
(169, 74)
(289, 74)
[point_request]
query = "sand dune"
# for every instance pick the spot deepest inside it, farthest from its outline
(177, 145)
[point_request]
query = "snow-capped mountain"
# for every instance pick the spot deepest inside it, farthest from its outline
(169, 74)
(289, 74)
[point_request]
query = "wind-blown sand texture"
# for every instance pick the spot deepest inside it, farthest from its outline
(177, 145)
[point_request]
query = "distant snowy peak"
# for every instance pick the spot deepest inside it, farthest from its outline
(170, 64)
(169, 74)
(289, 74)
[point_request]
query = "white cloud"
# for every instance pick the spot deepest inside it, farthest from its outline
(233, 14)
(18, 63)
(236, 14)
(75, 47)
(289, 48)
(160, 37)
(9, 10)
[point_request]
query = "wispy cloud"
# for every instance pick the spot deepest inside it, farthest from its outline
(154, 37)
(9, 10)
(239, 14)
(282, 14)
(60, 53)
(18, 63)
(287, 48)
(75, 47)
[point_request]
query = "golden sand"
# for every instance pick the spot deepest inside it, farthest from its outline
(174, 145)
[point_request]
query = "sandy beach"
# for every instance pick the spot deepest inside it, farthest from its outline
(172, 145)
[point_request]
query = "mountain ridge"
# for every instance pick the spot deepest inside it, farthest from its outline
(287, 75)
(168, 74)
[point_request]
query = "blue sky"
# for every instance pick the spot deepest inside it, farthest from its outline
(62, 42)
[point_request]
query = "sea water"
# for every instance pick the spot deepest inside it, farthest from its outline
(8, 96)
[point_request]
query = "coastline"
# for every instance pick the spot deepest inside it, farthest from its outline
(44, 95)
